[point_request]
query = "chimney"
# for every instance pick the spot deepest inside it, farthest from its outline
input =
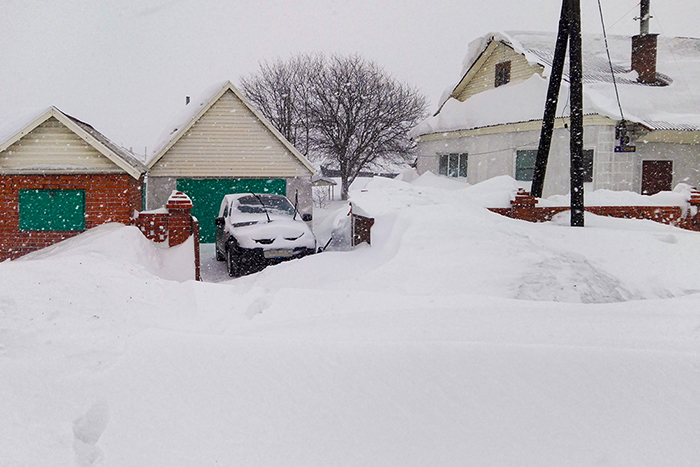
(644, 48)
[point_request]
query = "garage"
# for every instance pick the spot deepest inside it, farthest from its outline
(220, 144)
(59, 176)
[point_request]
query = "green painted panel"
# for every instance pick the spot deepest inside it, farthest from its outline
(51, 210)
(206, 196)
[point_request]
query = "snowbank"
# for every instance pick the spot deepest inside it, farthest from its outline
(459, 337)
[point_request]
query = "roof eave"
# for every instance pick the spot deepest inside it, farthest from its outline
(226, 87)
(88, 138)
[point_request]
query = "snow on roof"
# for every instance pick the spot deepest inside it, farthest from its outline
(183, 118)
(675, 106)
(13, 125)
(200, 104)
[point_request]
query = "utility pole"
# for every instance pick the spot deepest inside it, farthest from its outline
(569, 31)
(576, 99)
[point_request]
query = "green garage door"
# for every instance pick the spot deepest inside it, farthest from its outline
(206, 196)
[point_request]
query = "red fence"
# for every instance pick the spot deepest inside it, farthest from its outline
(525, 207)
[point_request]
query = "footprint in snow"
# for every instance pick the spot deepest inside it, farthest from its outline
(87, 431)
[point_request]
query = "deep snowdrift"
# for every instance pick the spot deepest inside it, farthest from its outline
(460, 337)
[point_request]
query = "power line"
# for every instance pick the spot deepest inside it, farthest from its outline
(607, 50)
(623, 16)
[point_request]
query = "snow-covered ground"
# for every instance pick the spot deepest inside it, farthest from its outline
(459, 337)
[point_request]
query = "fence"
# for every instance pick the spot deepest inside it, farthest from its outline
(360, 225)
(524, 207)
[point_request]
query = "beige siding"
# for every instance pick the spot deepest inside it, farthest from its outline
(229, 141)
(52, 147)
(482, 79)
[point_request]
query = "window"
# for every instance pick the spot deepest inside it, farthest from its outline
(525, 164)
(453, 165)
(587, 165)
(51, 210)
(502, 73)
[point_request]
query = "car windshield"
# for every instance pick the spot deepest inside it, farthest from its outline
(274, 204)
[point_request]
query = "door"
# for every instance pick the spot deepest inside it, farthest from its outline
(207, 194)
(656, 176)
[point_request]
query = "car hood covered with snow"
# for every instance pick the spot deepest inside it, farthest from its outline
(279, 232)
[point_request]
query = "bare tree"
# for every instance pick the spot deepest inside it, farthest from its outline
(346, 112)
(281, 91)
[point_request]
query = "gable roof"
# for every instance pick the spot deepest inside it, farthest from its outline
(184, 121)
(118, 155)
(675, 106)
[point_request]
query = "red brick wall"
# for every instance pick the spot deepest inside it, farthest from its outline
(524, 207)
(154, 226)
(108, 198)
(179, 207)
(175, 224)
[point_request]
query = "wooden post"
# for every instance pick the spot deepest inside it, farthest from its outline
(569, 30)
(550, 105)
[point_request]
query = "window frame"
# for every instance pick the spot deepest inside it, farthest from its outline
(522, 153)
(454, 164)
(502, 73)
(588, 164)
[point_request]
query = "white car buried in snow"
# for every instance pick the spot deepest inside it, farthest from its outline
(254, 230)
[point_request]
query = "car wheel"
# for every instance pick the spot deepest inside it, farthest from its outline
(233, 268)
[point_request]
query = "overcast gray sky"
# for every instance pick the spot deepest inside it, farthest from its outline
(126, 66)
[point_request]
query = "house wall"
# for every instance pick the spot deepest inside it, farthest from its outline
(685, 157)
(492, 155)
(51, 145)
(483, 78)
(108, 198)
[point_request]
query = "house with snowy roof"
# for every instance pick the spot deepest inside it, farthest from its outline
(221, 144)
(488, 122)
(59, 176)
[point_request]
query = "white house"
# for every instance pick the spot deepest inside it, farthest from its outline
(489, 122)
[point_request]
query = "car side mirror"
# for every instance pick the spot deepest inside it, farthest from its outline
(307, 217)
(219, 221)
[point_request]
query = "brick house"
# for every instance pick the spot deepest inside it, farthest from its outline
(59, 177)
